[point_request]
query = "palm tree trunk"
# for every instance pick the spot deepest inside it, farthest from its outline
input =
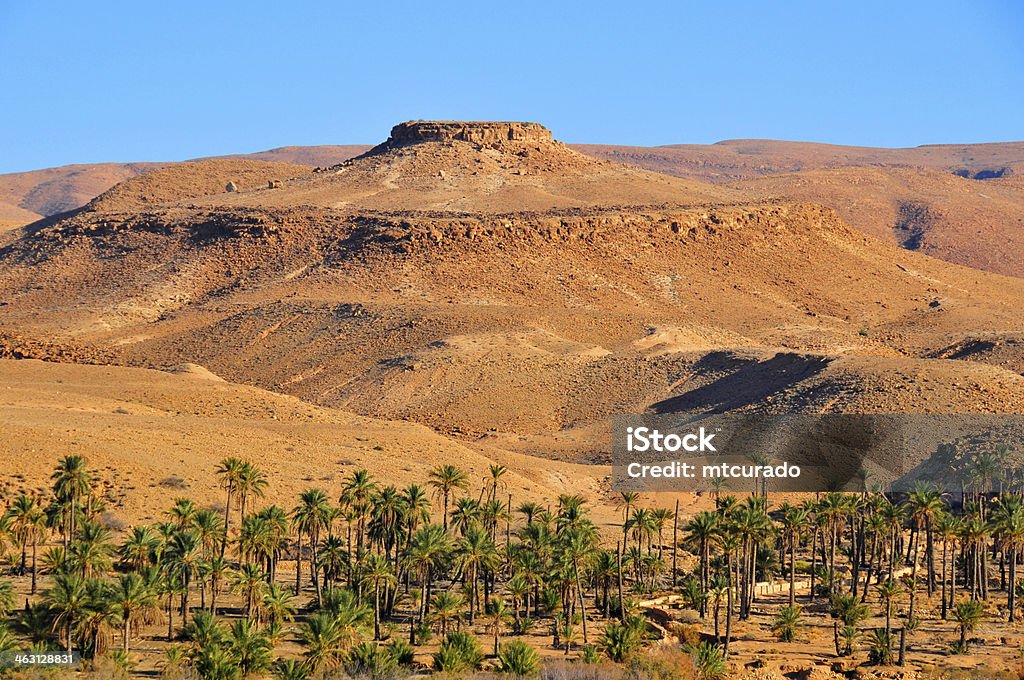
(792, 570)
(34, 571)
(945, 550)
(675, 545)
(583, 606)
(1011, 596)
(227, 522)
(728, 606)
(298, 567)
(376, 610)
(622, 603)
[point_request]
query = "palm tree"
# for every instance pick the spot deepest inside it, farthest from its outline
(218, 570)
(230, 472)
(139, 548)
(968, 615)
(252, 482)
(183, 512)
(250, 582)
(184, 559)
(787, 623)
(660, 518)
(475, 553)
(377, 573)
(498, 616)
(465, 514)
(578, 546)
(250, 648)
(925, 503)
(794, 523)
(427, 552)
(629, 498)
(847, 608)
(67, 601)
(357, 491)
(702, 532)
(277, 604)
(445, 479)
(887, 591)
(529, 509)
(27, 523)
(496, 473)
(309, 517)
(71, 482)
(209, 527)
(447, 608)
(133, 599)
(1008, 521)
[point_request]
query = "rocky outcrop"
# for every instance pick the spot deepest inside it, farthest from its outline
(490, 133)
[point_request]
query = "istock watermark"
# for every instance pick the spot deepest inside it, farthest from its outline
(814, 453)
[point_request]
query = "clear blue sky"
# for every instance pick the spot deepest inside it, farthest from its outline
(111, 81)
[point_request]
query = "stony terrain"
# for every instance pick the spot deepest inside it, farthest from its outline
(958, 202)
(454, 268)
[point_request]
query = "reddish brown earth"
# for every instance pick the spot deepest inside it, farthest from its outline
(962, 203)
(447, 273)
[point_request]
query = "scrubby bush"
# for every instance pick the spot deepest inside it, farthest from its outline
(519, 659)
(369, 659)
(459, 652)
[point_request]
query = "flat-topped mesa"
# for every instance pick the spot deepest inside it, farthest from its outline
(488, 133)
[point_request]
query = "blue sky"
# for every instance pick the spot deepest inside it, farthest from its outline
(111, 81)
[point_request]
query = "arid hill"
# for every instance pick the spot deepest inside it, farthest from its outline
(155, 436)
(450, 271)
(961, 202)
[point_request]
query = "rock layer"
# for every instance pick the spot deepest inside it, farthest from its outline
(489, 133)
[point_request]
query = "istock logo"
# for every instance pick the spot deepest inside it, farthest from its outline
(640, 439)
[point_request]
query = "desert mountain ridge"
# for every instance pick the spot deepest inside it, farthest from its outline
(442, 275)
(960, 202)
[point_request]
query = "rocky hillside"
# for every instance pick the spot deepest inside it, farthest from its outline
(401, 285)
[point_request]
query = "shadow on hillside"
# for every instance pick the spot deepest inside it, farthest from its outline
(748, 384)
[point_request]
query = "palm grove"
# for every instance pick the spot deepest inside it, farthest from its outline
(377, 572)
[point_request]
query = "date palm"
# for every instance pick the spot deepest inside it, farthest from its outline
(277, 604)
(250, 582)
(28, 526)
(183, 513)
(498, 616)
(184, 557)
(497, 474)
(139, 548)
(446, 479)
(71, 482)
(702, 533)
(1008, 522)
(968, 614)
(90, 553)
(428, 551)
(322, 637)
(133, 599)
(250, 648)
(358, 489)
(229, 472)
(794, 523)
(888, 591)
(475, 553)
(309, 518)
(465, 514)
(67, 600)
(446, 608)
(377, 573)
